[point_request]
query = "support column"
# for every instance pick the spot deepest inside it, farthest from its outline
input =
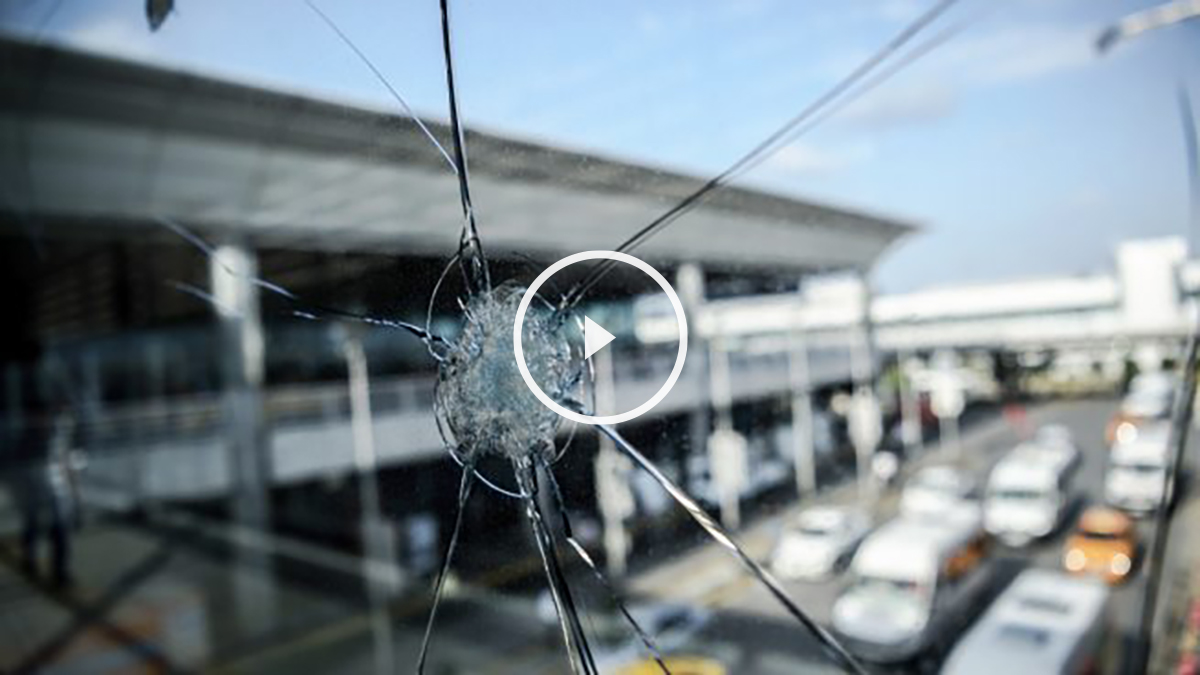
(726, 447)
(378, 538)
(947, 399)
(802, 409)
(865, 431)
(911, 432)
(613, 471)
(231, 272)
(154, 396)
(689, 284)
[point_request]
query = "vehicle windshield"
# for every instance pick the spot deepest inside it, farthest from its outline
(1018, 635)
(1151, 402)
(816, 531)
(890, 586)
(1101, 535)
(1020, 494)
(1140, 468)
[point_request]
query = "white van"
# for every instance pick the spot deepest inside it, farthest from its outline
(1136, 470)
(914, 584)
(1151, 396)
(1044, 622)
(1029, 492)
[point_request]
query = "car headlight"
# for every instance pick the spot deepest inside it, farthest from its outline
(1075, 560)
(1126, 432)
(1121, 564)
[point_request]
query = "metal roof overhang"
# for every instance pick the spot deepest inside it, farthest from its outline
(94, 143)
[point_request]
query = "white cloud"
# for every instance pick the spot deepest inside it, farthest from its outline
(1003, 54)
(931, 89)
(1018, 53)
(815, 161)
(902, 105)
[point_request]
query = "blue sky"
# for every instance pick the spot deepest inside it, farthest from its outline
(1015, 147)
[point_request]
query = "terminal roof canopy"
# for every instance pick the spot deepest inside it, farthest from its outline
(114, 144)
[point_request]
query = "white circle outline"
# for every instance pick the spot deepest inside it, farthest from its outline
(519, 352)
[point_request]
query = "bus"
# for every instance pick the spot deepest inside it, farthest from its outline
(1044, 622)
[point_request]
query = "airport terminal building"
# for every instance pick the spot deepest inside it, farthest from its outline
(110, 165)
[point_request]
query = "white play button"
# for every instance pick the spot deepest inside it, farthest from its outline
(594, 337)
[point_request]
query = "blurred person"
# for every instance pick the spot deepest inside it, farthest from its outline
(1017, 417)
(44, 486)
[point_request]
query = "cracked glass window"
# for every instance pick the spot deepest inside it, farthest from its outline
(263, 265)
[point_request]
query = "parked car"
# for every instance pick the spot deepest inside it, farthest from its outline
(1044, 622)
(936, 490)
(1104, 544)
(819, 542)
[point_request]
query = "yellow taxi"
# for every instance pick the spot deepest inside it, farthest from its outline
(1104, 544)
(677, 665)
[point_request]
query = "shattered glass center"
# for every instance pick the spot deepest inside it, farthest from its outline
(481, 397)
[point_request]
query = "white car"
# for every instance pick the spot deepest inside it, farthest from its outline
(935, 490)
(1150, 396)
(1137, 470)
(819, 543)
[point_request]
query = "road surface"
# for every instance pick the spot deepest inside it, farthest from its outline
(983, 445)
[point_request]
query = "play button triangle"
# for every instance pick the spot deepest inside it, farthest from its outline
(594, 337)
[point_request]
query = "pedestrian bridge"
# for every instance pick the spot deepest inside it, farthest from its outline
(1146, 300)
